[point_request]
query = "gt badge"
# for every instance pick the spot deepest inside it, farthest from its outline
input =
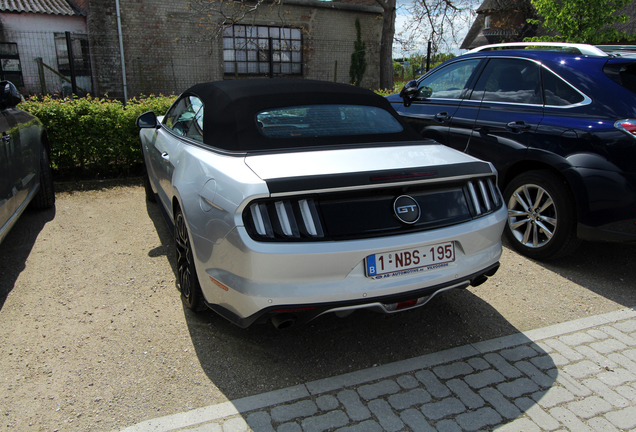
(406, 209)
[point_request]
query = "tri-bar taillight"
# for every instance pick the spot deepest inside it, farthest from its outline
(284, 219)
(484, 195)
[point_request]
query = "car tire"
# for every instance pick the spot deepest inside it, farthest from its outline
(45, 196)
(541, 216)
(186, 272)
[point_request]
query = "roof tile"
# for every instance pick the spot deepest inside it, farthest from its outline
(49, 7)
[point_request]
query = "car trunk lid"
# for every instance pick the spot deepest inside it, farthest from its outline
(338, 168)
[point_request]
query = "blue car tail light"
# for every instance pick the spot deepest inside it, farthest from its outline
(627, 125)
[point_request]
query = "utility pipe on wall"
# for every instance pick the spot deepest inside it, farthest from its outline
(121, 52)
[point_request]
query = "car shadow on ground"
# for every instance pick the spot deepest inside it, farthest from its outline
(607, 269)
(17, 246)
(165, 235)
(244, 362)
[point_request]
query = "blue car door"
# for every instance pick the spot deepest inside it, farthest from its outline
(511, 110)
(439, 111)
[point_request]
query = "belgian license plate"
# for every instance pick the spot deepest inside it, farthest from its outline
(410, 261)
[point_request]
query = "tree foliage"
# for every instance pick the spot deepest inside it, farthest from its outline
(581, 21)
(216, 15)
(358, 60)
(441, 22)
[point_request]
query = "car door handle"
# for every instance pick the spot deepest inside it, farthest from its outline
(519, 125)
(442, 117)
(165, 156)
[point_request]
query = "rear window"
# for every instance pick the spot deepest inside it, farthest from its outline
(624, 74)
(558, 92)
(326, 120)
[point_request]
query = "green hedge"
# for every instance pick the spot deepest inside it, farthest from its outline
(396, 89)
(93, 137)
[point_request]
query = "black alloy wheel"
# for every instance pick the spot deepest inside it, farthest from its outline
(150, 195)
(186, 272)
(541, 216)
(45, 196)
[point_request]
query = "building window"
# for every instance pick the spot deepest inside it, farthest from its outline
(487, 22)
(252, 50)
(81, 55)
(10, 68)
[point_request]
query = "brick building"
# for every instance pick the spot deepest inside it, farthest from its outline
(168, 45)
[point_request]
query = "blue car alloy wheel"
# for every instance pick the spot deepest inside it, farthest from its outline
(541, 221)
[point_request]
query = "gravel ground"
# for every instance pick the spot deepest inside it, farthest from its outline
(95, 338)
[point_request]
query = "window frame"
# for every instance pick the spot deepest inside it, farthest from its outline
(543, 68)
(499, 59)
(586, 99)
(11, 57)
(174, 114)
(468, 85)
(262, 50)
(81, 54)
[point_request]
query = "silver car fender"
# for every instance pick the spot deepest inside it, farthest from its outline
(210, 216)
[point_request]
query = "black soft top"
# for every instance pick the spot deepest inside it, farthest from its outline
(230, 108)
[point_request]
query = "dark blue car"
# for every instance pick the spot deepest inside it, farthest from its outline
(558, 121)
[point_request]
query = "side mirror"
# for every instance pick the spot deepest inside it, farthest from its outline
(9, 95)
(409, 92)
(147, 120)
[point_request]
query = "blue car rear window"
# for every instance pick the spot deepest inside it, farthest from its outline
(326, 120)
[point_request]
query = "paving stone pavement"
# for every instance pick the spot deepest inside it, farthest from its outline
(577, 376)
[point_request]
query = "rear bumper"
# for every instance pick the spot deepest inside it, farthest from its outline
(247, 281)
(303, 313)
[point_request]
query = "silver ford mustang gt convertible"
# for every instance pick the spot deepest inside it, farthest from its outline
(289, 199)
